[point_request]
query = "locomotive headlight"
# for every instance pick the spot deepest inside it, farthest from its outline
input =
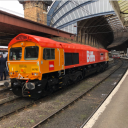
(30, 86)
(10, 73)
(35, 74)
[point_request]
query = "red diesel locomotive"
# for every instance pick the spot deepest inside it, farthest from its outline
(38, 65)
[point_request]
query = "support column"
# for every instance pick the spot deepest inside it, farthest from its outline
(79, 36)
(91, 44)
(91, 41)
(83, 39)
(94, 42)
(87, 39)
(83, 36)
(75, 38)
(98, 44)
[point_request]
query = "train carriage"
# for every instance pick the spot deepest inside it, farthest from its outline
(38, 64)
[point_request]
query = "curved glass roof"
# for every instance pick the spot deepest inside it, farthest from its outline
(64, 14)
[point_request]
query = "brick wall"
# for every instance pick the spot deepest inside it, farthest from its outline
(35, 11)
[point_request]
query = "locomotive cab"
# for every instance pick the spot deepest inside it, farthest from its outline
(23, 62)
(24, 67)
(28, 61)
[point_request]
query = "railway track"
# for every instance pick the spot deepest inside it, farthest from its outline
(10, 107)
(4, 89)
(71, 103)
(8, 99)
(121, 75)
(6, 95)
(39, 125)
(25, 103)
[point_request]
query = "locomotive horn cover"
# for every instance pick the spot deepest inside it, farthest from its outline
(30, 86)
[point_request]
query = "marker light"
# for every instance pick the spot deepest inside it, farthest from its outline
(10, 73)
(35, 74)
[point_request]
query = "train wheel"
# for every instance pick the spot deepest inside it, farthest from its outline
(98, 69)
(68, 83)
(52, 88)
(17, 91)
(103, 67)
(79, 78)
(44, 93)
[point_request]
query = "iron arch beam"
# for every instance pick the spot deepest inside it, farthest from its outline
(86, 26)
(100, 21)
(83, 4)
(60, 8)
(51, 11)
(85, 17)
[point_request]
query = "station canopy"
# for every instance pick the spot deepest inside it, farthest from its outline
(12, 25)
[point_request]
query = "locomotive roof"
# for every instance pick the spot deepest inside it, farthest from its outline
(46, 42)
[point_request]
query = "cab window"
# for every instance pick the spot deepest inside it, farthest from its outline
(31, 53)
(15, 54)
(48, 54)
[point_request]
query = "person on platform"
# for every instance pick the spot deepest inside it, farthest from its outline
(5, 68)
(2, 67)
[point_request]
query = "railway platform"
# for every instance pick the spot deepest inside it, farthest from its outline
(2, 82)
(113, 112)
